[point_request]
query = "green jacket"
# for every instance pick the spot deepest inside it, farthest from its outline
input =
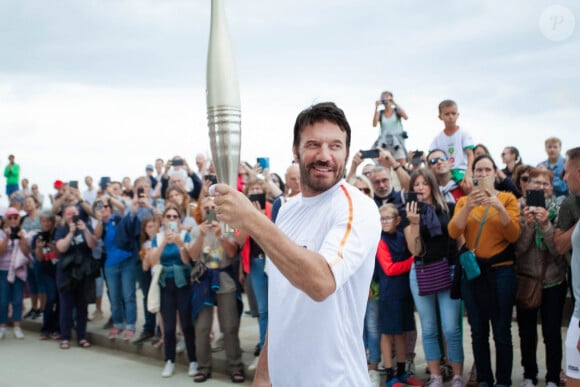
(12, 174)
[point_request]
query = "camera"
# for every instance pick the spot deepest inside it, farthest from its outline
(140, 192)
(76, 218)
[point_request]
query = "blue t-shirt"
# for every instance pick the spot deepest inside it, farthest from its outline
(170, 255)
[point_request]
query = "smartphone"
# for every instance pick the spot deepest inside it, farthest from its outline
(484, 183)
(99, 205)
(411, 197)
(140, 192)
(535, 198)
(172, 226)
(260, 198)
(105, 180)
(210, 215)
(417, 157)
(14, 232)
(177, 162)
(264, 162)
(369, 154)
(73, 184)
(211, 178)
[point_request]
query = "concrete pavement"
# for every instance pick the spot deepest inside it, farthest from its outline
(153, 358)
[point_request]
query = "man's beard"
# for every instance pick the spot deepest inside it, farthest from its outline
(306, 180)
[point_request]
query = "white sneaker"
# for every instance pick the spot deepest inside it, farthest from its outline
(168, 369)
(551, 384)
(528, 383)
(192, 368)
(18, 333)
(2, 333)
(457, 381)
(375, 378)
(254, 365)
(435, 381)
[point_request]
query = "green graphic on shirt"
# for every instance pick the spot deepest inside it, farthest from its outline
(451, 149)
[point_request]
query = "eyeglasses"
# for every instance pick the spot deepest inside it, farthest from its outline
(435, 160)
(525, 179)
(382, 181)
(171, 216)
(386, 219)
(365, 190)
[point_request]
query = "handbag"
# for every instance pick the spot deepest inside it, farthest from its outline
(467, 259)
(154, 293)
(433, 277)
(529, 291)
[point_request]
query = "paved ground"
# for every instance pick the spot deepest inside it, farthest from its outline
(112, 363)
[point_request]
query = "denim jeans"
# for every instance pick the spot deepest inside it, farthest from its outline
(50, 317)
(449, 311)
(551, 313)
(121, 282)
(260, 286)
(372, 331)
(10, 294)
(501, 320)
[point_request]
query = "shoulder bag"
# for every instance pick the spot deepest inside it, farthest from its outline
(467, 258)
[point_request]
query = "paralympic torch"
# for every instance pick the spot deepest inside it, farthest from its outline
(223, 99)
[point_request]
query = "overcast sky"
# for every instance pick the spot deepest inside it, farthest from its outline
(104, 87)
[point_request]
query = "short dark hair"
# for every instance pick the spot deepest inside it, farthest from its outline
(573, 153)
(324, 111)
(446, 103)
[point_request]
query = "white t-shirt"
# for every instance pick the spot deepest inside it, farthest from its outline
(454, 146)
(320, 343)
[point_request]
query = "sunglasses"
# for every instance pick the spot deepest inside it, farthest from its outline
(106, 206)
(171, 216)
(387, 219)
(12, 217)
(525, 179)
(435, 160)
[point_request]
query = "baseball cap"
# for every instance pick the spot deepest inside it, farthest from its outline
(11, 211)
(149, 167)
(58, 184)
